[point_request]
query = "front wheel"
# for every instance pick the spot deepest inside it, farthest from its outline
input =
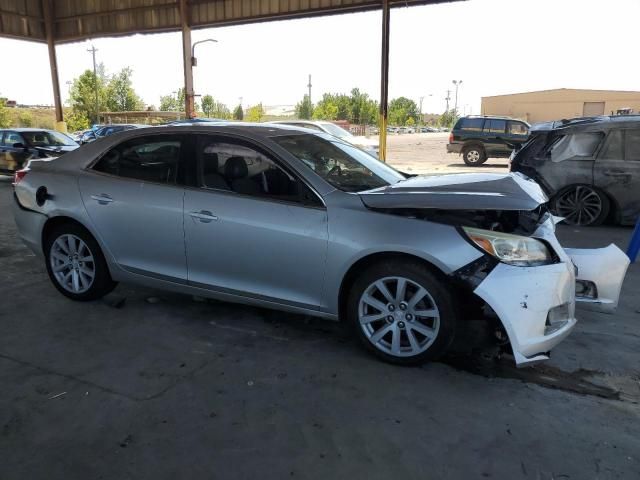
(75, 263)
(402, 313)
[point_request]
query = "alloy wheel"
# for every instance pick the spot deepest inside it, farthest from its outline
(579, 206)
(473, 156)
(72, 263)
(398, 316)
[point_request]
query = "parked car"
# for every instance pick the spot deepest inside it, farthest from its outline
(367, 144)
(19, 145)
(393, 129)
(406, 130)
(428, 129)
(289, 219)
(589, 167)
(480, 138)
(195, 120)
(106, 130)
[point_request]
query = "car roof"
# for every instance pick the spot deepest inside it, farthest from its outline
(606, 121)
(24, 129)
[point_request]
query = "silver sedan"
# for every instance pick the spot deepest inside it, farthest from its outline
(287, 219)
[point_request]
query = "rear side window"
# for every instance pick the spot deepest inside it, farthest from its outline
(495, 126)
(632, 145)
(12, 137)
(517, 128)
(151, 159)
(471, 124)
(576, 146)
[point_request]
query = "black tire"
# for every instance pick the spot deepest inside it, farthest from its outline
(439, 295)
(102, 283)
(590, 205)
(474, 155)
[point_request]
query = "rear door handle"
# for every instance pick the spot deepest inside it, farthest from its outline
(102, 199)
(204, 216)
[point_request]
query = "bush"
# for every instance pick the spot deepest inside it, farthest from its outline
(25, 119)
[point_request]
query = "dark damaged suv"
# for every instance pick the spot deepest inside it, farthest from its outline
(589, 167)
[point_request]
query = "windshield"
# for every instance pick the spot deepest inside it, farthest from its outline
(344, 166)
(335, 130)
(48, 139)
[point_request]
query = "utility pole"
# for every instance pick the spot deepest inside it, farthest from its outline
(457, 83)
(447, 98)
(309, 86)
(421, 99)
(93, 51)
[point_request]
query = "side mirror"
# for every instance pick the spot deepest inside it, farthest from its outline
(19, 145)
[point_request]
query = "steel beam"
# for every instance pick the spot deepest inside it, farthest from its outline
(47, 10)
(384, 81)
(189, 109)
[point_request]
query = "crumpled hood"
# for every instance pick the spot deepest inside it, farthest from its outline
(461, 191)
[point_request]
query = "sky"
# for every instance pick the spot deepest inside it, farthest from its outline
(493, 46)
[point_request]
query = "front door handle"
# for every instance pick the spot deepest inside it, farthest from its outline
(612, 173)
(204, 216)
(102, 199)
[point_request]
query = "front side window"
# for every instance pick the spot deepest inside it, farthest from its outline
(632, 142)
(577, 146)
(517, 128)
(614, 149)
(226, 165)
(495, 126)
(151, 159)
(342, 165)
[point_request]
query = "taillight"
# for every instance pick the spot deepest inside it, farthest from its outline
(19, 175)
(451, 137)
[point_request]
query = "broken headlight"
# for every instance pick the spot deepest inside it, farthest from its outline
(512, 249)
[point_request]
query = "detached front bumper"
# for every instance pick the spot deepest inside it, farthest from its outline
(536, 306)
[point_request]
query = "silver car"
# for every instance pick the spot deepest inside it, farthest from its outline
(288, 219)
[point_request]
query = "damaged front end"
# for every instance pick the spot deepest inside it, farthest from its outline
(525, 281)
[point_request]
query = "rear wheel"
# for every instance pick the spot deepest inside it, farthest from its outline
(75, 263)
(581, 205)
(402, 313)
(474, 155)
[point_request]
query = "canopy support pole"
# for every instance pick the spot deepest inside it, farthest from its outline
(384, 81)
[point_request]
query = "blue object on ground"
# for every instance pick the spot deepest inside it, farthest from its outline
(634, 244)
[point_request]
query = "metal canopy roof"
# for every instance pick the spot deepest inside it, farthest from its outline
(75, 20)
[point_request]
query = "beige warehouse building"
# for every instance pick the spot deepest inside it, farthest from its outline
(561, 103)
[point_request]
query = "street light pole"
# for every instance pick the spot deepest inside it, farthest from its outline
(189, 93)
(93, 51)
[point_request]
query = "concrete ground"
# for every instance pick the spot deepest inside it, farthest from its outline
(149, 384)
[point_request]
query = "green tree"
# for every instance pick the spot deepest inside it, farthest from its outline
(401, 109)
(255, 113)
(326, 109)
(207, 105)
(83, 93)
(238, 113)
(304, 109)
(120, 95)
(5, 122)
(447, 119)
(364, 110)
(76, 121)
(174, 102)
